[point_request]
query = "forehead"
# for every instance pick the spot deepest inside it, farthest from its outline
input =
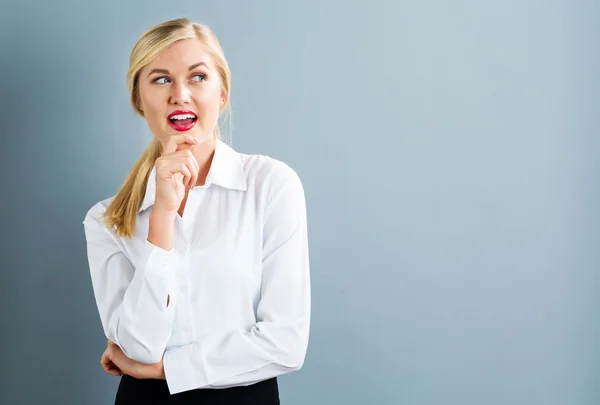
(181, 55)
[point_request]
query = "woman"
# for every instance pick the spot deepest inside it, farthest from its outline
(199, 264)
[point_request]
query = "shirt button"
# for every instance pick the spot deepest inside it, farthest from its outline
(186, 329)
(184, 288)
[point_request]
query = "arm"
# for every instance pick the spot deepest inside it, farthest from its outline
(277, 343)
(132, 303)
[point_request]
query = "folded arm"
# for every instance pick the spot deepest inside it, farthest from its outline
(136, 305)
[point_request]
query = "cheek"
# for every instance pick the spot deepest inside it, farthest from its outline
(208, 104)
(209, 98)
(152, 112)
(149, 105)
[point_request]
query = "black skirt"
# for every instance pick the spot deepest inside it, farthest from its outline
(133, 391)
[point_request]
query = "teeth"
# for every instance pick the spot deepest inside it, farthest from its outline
(182, 116)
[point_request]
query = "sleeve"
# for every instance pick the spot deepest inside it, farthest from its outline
(277, 343)
(132, 302)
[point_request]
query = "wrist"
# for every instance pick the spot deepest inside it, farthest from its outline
(161, 229)
(160, 371)
(161, 214)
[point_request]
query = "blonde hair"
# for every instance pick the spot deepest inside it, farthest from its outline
(122, 211)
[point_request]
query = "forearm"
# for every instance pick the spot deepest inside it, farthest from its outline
(142, 323)
(238, 358)
(143, 339)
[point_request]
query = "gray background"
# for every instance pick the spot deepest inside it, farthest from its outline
(449, 152)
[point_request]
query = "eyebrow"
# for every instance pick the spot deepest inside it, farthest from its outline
(166, 72)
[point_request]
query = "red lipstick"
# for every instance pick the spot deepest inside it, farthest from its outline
(182, 120)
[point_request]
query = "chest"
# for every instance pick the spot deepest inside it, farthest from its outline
(218, 240)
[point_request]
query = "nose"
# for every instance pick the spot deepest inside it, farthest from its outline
(180, 94)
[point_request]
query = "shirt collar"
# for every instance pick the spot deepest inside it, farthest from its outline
(226, 170)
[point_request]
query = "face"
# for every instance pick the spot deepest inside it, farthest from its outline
(180, 92)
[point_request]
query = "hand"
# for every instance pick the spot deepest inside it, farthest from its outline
(113, 355)
(106, 361)
(176, 169)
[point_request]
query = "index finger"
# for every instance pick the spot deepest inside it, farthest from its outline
(175, 140)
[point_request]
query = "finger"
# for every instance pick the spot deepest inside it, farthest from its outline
(184, 170)
(193, 167)
(114, 370)
(193, 162)
(105, 362)
(107, 365)
(179, 178)
(182, 156)
(197, 171)
(184, 146)
(188, 155)
(176, 140)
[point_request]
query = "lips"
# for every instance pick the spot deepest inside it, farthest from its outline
(182, 120)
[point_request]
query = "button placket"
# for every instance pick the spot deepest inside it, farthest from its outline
(182, 279)
(188, 313)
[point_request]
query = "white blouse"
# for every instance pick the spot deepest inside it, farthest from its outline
(237, 277)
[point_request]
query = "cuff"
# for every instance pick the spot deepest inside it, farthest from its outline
(160, 262)
(180, 372)
(160, 276)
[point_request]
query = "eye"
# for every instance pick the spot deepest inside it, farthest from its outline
(158, 80)
(199, 77)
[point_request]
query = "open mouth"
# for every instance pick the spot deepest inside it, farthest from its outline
(182, 120)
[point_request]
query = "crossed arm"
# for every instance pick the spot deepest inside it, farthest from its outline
(114, 362)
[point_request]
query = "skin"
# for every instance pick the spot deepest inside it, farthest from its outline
(167, 84)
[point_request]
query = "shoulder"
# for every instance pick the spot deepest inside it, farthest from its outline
(268, 173)
(275, 183)
(94, 216)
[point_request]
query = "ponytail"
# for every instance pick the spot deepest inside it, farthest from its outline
(122, 211)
